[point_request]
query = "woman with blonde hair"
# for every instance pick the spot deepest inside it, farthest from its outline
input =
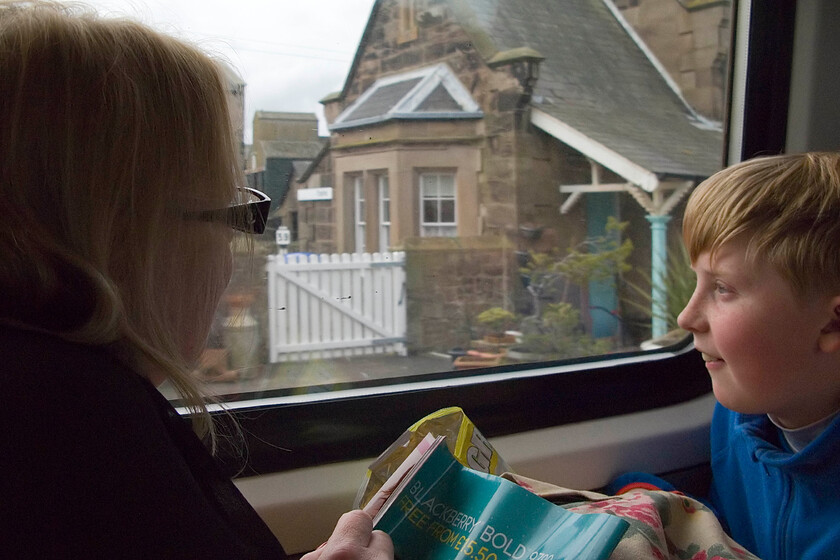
(118, 169)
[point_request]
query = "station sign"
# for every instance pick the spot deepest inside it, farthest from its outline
(319, 193)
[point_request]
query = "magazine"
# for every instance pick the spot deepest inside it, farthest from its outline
(467, 444)
(435, 508)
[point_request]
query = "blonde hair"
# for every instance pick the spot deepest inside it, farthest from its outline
(110, 129)
(787, 205)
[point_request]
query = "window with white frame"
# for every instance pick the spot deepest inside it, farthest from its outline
(437, 205)
(384, 213)
(359, 213)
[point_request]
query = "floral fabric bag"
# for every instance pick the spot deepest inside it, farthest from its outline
(663, 525)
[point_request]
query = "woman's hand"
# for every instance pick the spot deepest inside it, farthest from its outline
(354, 539)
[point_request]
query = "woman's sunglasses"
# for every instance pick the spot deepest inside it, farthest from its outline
(248, 214)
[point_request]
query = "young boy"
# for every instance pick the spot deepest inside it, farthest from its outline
(764, 240)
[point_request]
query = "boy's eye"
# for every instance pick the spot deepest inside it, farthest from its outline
(721, 288)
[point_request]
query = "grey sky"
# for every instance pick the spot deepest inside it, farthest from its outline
(290, 53)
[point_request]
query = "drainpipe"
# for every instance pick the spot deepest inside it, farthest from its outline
(658, 266)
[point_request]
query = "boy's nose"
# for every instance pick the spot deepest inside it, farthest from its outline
(682, 319)
(690, 317)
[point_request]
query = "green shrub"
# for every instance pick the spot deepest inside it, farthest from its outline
(496, 320)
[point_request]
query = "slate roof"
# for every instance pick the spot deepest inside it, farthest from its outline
(387, 97)
(291, 149)
(596, 79)
(432, 92)
(300, 167)
(313, 165)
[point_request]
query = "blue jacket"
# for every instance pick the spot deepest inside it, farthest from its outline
(777, 504)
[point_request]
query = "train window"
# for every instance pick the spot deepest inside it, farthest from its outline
(474, 203)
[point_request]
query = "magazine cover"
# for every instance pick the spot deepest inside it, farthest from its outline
(438, 509)
(463, 439)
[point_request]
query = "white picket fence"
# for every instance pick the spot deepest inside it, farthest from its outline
(328, 306)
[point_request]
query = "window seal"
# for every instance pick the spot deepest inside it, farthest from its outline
(284, 433)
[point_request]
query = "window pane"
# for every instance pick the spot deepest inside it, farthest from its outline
(359, 216)
(438, 193)
(384, 200)
(447, 185)
(429, 185)
(384, 214)
(447, 211)
(359, 192)
(384, 238)
(430, 211)
(582, 192)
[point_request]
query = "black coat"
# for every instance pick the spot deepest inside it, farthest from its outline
(95, 463)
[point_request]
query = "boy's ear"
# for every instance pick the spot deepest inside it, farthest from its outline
(830, 333)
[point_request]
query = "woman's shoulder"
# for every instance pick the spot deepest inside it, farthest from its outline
(93, 460)
(62, 400)
(42, 374)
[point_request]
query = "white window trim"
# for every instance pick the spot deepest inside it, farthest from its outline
(431, 77)
(438, 225)
(384, 224)
(359, 223)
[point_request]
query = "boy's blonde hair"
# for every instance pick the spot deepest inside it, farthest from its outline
(110, 132)
(787, 205)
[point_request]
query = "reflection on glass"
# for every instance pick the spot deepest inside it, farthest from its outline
(558, 150)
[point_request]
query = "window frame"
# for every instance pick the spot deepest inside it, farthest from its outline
(384, 207)
(283, 431)
(359, 214)
(437, 226)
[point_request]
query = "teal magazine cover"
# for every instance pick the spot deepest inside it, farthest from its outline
(441, 510)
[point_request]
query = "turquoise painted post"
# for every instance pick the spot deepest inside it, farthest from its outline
(658, 273)
(603, 297)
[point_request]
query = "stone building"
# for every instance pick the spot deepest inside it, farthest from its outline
(272, 127)
(691, 39)
(530, 122)
(312, 202)
(284, 145)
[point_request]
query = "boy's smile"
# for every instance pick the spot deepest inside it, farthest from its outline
(711, 361)
(763, 346)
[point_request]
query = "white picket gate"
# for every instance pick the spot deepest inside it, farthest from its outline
(328, 306)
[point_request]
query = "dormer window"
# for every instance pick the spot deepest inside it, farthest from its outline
(433, 92)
